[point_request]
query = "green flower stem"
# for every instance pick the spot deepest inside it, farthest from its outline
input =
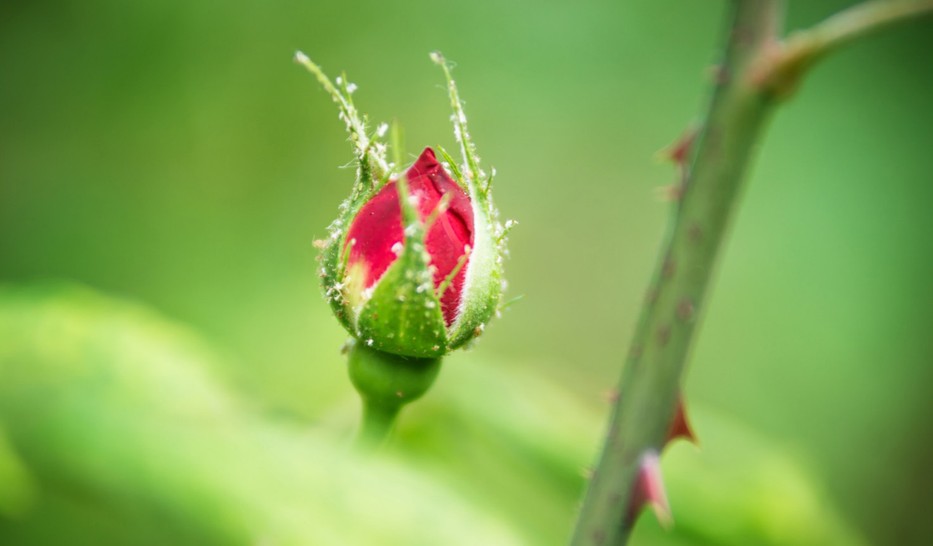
(386, 382)
(376, 426)
(757, 71)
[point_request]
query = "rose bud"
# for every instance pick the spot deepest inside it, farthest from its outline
(412, 267)
(416, 271)
(375, 238)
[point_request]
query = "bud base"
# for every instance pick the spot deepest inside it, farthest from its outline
(386, 382)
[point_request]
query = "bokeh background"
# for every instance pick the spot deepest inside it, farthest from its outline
(170, 153)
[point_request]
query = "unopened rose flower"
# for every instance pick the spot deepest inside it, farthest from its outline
(412, 267)
(416, 274)
(376, 237)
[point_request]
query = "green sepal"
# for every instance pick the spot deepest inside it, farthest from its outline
(454, 169)
(403, 315)
(373, 172)
(482, 284)
(333, 254)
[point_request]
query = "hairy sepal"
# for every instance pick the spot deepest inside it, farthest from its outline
(482, 285)
(403, 314)
(333, 275)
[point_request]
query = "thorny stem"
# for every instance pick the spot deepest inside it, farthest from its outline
(757, 71)
(650, 384)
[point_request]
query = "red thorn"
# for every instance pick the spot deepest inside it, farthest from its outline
(649, 490)
(679, 151)
(611, 396)
(670, 193)
(679, 154)
(680, 427)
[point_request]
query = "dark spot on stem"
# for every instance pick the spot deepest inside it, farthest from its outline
(695, 233)
(720, 74)
(651, 296)
(599, 536)
(686, 309)
(664, 335)
(669, 268)
(629, 458)
(712, 140)
(636, 352)
(743, 36)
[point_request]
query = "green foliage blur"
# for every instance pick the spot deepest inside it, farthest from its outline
(170, 375)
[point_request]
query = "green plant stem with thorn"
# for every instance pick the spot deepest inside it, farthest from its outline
(757, 71)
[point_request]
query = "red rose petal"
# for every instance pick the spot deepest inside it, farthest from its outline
(378, 227)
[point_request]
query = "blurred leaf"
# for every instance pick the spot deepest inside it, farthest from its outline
(17, 490)
(130, 440)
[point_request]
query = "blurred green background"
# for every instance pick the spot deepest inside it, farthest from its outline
(170, 153)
